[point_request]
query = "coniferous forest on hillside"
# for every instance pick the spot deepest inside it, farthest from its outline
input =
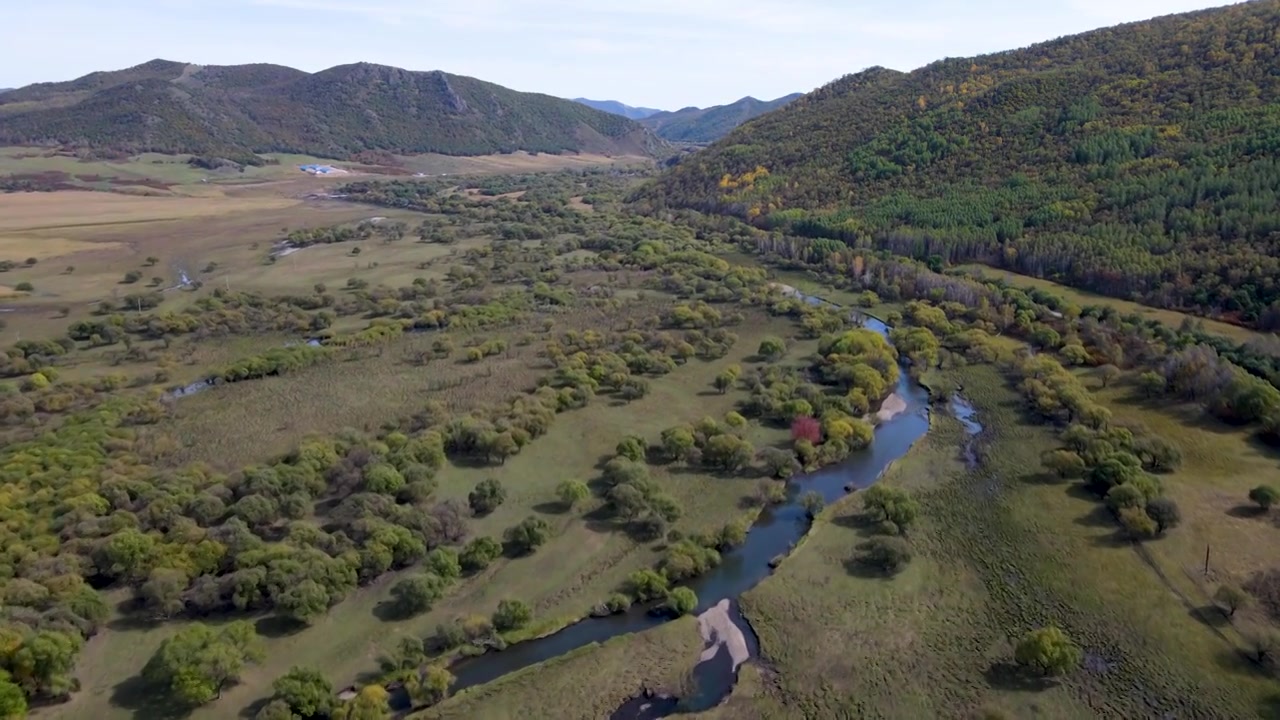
(1141, 161)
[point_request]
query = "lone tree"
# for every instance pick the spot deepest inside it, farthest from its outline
(487, 495)
(417, 594)
(1165, 513)
(306, 691)
(197, 662)
(512, 615)
(430, 686)
(892, 504)
(1064, 463)
(1049, 651)
(681, 601)
(526, 537)
(371, 703)
(572, 492)
(772, 348)
(1265, 496)
(478, 553)
(1231, 598)
(1108, 374)
(812, 503)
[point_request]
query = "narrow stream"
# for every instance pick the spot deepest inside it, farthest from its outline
(775, 532)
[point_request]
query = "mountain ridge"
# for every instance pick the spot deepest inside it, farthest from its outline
(703, 125)
(617, 108)
(241, 110)
(1138, 161)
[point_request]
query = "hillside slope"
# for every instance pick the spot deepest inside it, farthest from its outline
(704, 125)
(237, 110)
(616, 108)
(1140, 161)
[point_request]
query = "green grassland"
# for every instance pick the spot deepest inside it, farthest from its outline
(584, 562)
(1000, 550)
(588, 683)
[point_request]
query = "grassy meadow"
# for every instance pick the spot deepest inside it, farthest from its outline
(586, 684)
(580, 566)
(1001, 549)
(83, 251)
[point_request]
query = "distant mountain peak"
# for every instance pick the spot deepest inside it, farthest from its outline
(704, 125)
(239, 110)
(616, 108)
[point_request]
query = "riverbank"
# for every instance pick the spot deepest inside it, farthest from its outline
(776, 531)
(998, 549)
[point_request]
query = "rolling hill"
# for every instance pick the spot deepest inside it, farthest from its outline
(235, 111)
(704, 125)
(1140, 161)
(616, 108)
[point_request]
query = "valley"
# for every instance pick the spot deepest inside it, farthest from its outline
(367, 393)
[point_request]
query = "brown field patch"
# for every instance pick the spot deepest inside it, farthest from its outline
(42, 211)
(516, 162)
(19, 247)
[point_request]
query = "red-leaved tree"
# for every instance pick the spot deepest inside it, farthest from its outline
(806, 428)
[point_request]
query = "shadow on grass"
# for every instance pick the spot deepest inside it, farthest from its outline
(251, 710)
(1235, 661)
(132, 621)
(146, 701)
(1081, 491)
(1246, 512)
(1098, 517)
(1011, 677)
(278, 626)
(1210, 615)
(1041, 478)
(1270, 707)
(866, 524)
(857, 566)
(554, 507)
(391, 611)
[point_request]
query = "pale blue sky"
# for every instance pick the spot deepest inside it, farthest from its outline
(657, 53)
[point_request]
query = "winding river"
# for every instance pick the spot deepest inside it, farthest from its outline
(775, 532)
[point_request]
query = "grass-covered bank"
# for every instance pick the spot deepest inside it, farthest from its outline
(588, 683)
(998, 551)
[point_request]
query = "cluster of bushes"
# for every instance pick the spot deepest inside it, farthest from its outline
(1114, 461)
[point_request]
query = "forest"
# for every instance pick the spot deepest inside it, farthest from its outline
(1137, 161)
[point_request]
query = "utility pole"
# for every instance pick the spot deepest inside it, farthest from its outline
(1206, 559)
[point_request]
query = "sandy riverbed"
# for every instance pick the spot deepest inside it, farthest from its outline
(892, 407)
(786, 289)
(719, 630)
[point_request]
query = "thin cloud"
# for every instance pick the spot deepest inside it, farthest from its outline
(658, 53)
